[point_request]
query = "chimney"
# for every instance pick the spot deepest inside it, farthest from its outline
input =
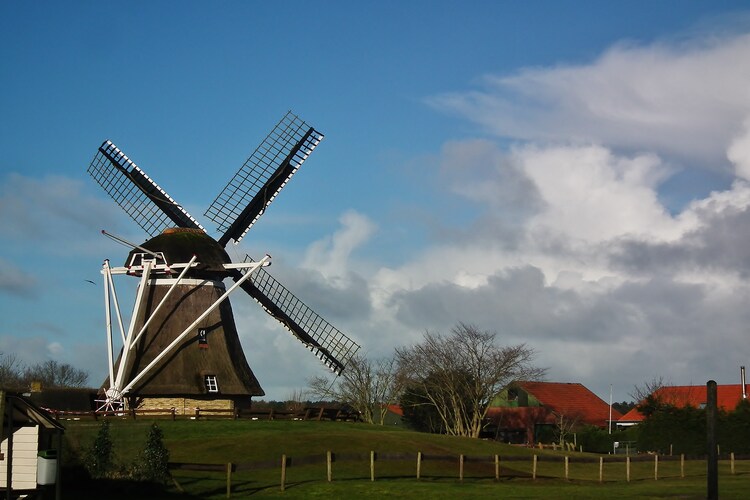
(742, 381)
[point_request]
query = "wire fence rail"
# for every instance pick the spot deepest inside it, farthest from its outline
(618, 468)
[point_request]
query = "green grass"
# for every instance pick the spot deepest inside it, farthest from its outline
(242, 442)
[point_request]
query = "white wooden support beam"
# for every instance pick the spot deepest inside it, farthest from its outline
(177, 341)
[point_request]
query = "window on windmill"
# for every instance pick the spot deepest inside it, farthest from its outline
(211, 384)
(202, 338)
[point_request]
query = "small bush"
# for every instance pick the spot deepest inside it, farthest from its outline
(99, 459)
(153, 465)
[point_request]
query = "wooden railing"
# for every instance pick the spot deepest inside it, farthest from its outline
(461, 461)
(310, 413)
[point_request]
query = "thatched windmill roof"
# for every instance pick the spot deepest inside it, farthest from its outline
(180, 244)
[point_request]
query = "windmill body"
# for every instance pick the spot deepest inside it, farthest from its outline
(181, 346)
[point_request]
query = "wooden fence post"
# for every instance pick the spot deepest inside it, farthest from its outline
(419, 464)
(533, 467)
(601, 469)
(731, 462)
(229, 480)
(682, 465)
(372, 466)
(627, 469)
(656, 467)
(567, 467)
(328, 466)
(461, 467)
(283, 472)
(497, 467)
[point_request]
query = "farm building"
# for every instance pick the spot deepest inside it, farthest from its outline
(727, 397)
(531, 412)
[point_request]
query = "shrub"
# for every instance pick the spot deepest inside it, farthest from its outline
(98, 459)
(155, 457)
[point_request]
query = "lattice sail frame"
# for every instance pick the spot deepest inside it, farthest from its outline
(326, 341)
(255, 185)
(235, 210)
(136, 193)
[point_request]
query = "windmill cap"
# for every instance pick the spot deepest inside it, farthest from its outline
(180, 244)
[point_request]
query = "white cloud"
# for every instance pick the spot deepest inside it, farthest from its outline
(739, 152)
(685, 100)
(330, 256)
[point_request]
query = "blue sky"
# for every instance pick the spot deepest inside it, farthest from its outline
(572, 175)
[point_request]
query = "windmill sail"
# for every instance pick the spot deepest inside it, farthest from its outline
(328, 343)
(141, 198)
(262, 176)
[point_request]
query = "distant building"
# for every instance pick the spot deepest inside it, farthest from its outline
(531, 412)
(681, 396)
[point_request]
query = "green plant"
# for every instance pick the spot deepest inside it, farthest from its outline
(99, 458)
(153, 465)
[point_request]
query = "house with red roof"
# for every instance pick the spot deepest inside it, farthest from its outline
(727, 397)
(528, 412)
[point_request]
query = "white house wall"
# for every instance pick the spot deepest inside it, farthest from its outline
(25, 446)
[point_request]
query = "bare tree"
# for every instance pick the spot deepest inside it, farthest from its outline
(649, 396)
(53, 374)
(367, 386)
(566, 424)
(648, 388)
(296, 401)
(461, 373)
(10, 371)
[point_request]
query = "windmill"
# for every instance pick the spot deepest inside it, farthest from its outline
(181, 340)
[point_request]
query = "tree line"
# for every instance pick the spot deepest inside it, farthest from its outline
(14, 374)
(445, 383)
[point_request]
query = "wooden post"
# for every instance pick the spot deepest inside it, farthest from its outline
(372, 466)
(461, 467)
(581, 448)
(682, 465)
(419, 464)
(283, 472)
(712, 461)
(731, 462)
(567, 468)
(656, 467)
(533, 467)
(601, 469)
(627, 469)
(229, 480)
(670, 450)
(497, 467)
(328, 466)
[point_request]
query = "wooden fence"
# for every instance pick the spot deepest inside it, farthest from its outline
(419, 458)
(311, 413)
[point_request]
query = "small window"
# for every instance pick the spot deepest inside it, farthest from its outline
(211, 384)
(203, 338)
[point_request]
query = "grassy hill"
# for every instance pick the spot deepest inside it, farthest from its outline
(247, 441)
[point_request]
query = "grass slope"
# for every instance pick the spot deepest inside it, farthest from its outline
(244, 441)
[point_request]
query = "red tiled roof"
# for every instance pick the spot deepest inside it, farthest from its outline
(571, 399)
(727, 397)
(396, 409)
